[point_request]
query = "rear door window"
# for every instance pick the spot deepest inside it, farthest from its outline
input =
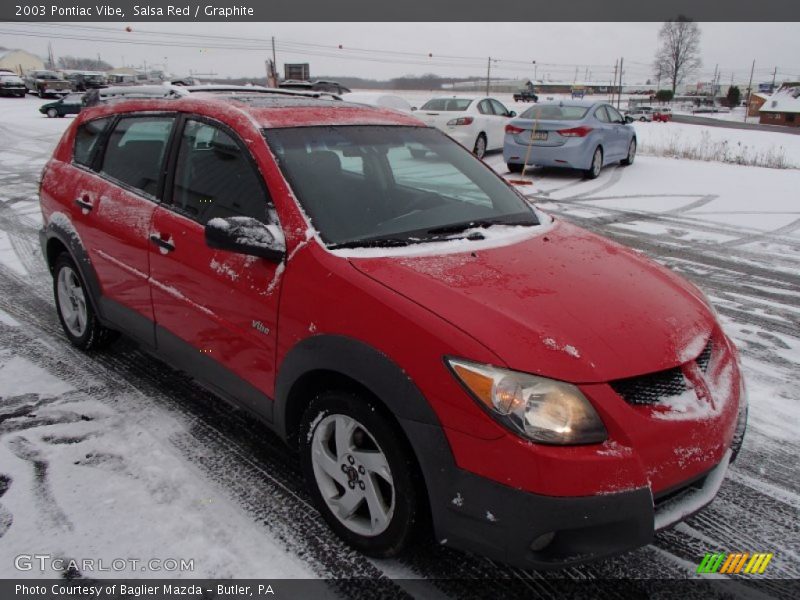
(86, 141)
(135, 151)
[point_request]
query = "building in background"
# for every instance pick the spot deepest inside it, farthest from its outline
(20, 61)
(757, 100)
(783, 107)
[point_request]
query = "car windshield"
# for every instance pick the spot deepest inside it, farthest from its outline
(447, 104)
(391, 185)
(45, 75)
(555, 112)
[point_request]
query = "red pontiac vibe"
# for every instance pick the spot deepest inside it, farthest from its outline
(443, 356)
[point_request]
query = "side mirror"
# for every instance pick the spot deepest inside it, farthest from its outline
(512, 114)
(246, 235)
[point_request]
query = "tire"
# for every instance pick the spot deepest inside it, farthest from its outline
(514, 167)
(52, 113)
(41, 94)
(74, 308)
(479, 149)
(643, 119)
(356, 426)
(597, 164)
(631, 153)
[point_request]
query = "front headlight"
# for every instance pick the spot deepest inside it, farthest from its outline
(540, 409)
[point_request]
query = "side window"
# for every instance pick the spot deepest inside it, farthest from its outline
(613, 115)
(601, 114)
(499, 109)
(214, 176)
(86, 139)
(135, 151)
(485, 108)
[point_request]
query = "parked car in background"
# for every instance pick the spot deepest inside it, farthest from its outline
(452, 379)
(82, 81)
(71, 104)
(662, 114)
(379, 99)
(47, 83)
(525, 95)
(478, 124)
(640, 113)
(332, 87)
(575, 134)
(12, 85)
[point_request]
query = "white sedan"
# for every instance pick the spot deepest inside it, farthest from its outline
(478, 124)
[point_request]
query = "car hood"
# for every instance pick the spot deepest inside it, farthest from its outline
(565, 304)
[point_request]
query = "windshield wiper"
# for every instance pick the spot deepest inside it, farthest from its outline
(375, 242)
(463, 226)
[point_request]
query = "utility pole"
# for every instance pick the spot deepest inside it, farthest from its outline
(619, 96)
(774, 74)
(274, 61)
(714, 84)
(616, 65)
(749, 90)
(488, 74)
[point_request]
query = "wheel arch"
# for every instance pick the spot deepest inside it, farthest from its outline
(56, 239)
(324, 361)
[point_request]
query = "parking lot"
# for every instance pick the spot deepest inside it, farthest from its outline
(172, 468)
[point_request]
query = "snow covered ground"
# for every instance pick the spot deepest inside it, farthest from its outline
(114, 455)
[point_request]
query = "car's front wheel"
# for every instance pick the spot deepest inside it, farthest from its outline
(359, 473)
(80, 324)
(480, 146)
(52, 113)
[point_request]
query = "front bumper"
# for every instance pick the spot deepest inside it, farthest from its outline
(527, 530)
(543, 532)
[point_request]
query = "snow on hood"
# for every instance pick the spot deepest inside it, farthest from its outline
(568, 304)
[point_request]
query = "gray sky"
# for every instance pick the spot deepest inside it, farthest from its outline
(395, 49)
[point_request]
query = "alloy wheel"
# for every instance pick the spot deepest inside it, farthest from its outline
(72, 301)
(353, 475)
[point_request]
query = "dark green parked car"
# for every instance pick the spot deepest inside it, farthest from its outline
(68, 105)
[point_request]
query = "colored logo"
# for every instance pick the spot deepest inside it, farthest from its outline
(735, 562)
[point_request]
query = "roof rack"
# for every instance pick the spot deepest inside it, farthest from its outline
(257, 89)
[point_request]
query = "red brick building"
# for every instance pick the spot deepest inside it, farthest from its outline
(783, 107)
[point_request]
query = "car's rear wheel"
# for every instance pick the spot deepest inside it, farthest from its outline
(74, 309)
(480, 146)
(631, 153)
(597, 164)
(514, 167)
(359, 473)
(643, 119)
(52, 113)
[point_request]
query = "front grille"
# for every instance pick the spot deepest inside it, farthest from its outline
(652, 388)
(705, 357)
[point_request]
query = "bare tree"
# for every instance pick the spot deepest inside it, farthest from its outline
(83, 64)
(678, 54)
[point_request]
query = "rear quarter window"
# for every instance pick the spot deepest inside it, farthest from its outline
(86, 139)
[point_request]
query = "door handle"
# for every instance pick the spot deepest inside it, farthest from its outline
(164, 245)
(85, 204)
